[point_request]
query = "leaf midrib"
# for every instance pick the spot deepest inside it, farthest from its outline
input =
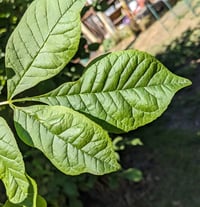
(100, 92)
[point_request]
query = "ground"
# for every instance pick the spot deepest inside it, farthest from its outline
(156, 37)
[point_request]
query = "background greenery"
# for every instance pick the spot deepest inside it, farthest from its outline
(169, 158)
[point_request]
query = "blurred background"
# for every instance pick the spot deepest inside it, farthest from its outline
(161, 161)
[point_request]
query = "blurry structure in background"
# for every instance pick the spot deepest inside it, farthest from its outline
(100, 21)
(189, 5)
(110, 21)
(105, 19)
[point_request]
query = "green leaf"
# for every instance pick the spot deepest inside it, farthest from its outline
(118, 143)
(32, 200)
(9, 204)
(12, 170)
(132, 174)
(122, 90)
(45, 40)
(135, 142)
(71, 141)
(41, 202)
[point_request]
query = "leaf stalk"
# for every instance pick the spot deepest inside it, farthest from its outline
(4, 103)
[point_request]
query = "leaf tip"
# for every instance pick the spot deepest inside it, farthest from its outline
(188, 82)
(185, 82)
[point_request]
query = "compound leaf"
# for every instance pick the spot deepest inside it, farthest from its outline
(45, 40)
(12, 170)
(71, 141)
(122, 90)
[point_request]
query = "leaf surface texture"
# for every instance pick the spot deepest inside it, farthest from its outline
(12, 170)
(71, 141)
(123, 90)
(45, 40)
(32, 200)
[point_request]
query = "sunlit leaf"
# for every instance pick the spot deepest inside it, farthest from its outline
(43, 43)
(32, 200)
(12, 171)
(71, 141)
(121, 91)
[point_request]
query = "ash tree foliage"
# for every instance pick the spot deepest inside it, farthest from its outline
(118, 92)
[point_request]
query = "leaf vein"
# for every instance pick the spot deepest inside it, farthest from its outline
(27, 24)
(17, 55)
(20, 37)
(59, 8)
(37, 23)
(39, 48)
(46, 14)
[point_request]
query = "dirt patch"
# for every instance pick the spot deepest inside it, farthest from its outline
(168, 28)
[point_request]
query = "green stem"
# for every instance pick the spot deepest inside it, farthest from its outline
(10, 102)
(4, 103)
(21, 100)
